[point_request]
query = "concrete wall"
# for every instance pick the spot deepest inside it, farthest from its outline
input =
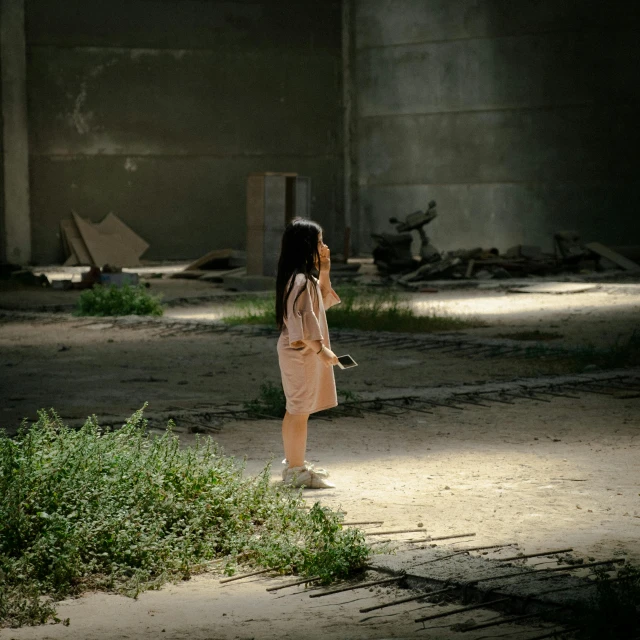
(519, 119)
(158, 109)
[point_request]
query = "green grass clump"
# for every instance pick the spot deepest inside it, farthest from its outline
(367, 311)
(252, 310)
(270, 403)
(118, 301)
(388, 311)
(124, 511)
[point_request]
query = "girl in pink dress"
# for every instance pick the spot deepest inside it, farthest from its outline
(304, 351)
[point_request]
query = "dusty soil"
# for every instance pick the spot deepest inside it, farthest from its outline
(543, 474)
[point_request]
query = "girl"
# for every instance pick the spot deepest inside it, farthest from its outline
(304, 353)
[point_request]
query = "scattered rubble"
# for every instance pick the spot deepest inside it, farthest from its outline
(520, 261)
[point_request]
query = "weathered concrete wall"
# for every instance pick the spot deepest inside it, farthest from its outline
(15, 225)
(517, 118)
(158, 109)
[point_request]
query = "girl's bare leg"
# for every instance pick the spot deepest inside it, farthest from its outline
(294, 438)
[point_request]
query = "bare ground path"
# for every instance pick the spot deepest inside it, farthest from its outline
(543, 474)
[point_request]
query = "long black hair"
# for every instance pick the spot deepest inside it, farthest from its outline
(299, 253)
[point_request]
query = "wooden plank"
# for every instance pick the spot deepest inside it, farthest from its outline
(191, 274)
(469, 271)
(610, 254)
(80, 251)
(227, 258)
(105, 249)
(353, 587)
(112, 225)
(219, 276)
(64, 235)
(71, 261)
(480, 605)
(74, 244)
(419, 596)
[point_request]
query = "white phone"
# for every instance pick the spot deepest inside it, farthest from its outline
(346, 362)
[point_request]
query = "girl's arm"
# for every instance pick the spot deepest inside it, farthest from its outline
(325, 269)
(329, 296)
(324, 353)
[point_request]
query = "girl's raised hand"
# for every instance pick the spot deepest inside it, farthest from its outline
(325, 255)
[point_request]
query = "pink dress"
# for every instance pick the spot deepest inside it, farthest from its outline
(308, 384)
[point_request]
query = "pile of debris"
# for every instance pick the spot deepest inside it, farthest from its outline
(215, 266)
(108, 242)
(521, 261)
(393, 256)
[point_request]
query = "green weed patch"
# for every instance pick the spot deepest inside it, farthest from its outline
(124, 511)
(118, 301)
(367, 311)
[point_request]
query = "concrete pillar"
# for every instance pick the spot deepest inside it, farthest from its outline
(15, 147)
(350, 184)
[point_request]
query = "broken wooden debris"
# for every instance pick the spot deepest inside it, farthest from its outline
(112, 225)
(499, 621)
(453, 612)
(463, 551)
(613, 256)
(295, 583)
(420, 596)
(360, 585)
(246, 575)
(110, 242)
(449, 537)
(391, 532)
(536, 555)
(571, 567)
(219, 276)
(220, 259)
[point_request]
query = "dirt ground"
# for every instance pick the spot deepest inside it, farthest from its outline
(546, 475)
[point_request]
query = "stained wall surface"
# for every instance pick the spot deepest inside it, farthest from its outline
(518, 118)
(158, 110)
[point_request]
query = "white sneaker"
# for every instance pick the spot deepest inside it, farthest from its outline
(323, 473)
(305, 477)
